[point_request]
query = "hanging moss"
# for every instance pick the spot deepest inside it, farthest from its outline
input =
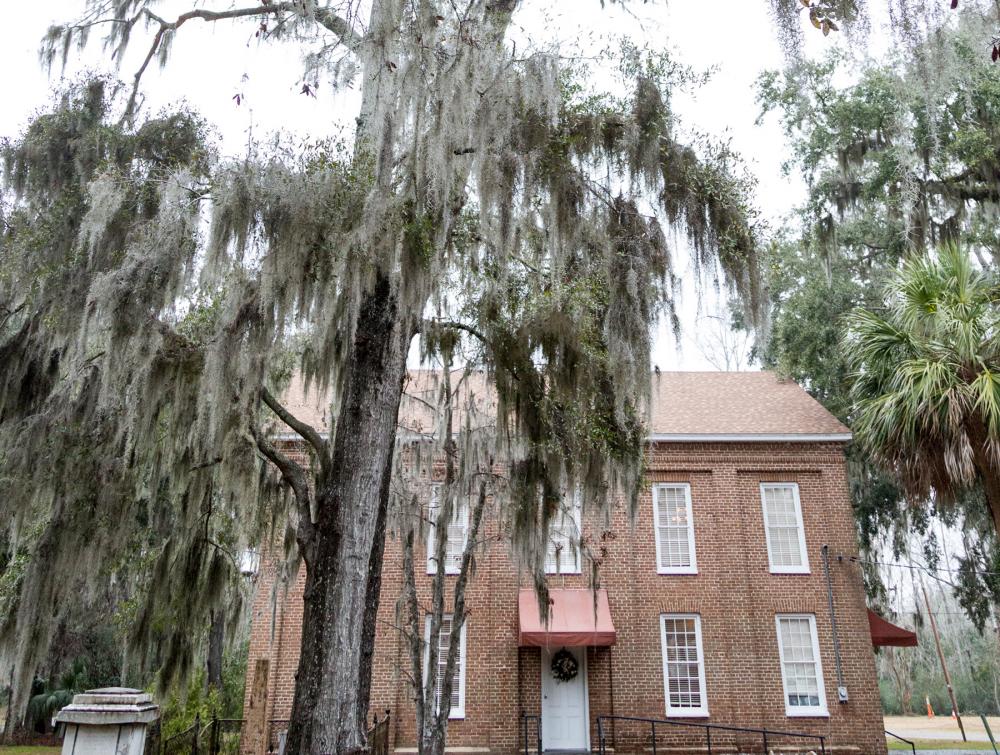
(486, 189)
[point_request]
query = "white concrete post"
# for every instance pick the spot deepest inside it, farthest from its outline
(109, 721)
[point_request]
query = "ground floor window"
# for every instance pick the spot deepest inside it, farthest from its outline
(801, 671)
(683, 665)
(458, 680)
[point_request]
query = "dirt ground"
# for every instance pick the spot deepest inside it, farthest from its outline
(942, 727)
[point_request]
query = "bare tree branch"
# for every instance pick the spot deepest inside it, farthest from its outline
(295, 476)
(413, 620)
(458, 612)
(325, 17)
(455, 325)
(307, 431)
(9, 312)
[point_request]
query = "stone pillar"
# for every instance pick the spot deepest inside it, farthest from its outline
(106, 721)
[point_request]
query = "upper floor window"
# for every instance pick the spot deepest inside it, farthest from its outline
(562, 556)
(786, 539)
(801, 670)
(458, 680)
(683, 665)
(674, 529)
(456, 532)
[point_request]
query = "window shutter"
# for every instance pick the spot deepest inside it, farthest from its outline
(457, 689)
(457, 533)
(432, 512)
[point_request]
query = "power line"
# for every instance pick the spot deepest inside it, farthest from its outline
(927, 569)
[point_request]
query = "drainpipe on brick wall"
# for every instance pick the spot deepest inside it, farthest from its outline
(611, 680)
(841, 687)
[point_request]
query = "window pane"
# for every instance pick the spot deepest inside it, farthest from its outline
(563, 552)
(801, 672)
(682, 663)
(673, 526)
(782, 523)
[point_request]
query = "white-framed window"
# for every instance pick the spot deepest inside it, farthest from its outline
(801, 669)
(562, 556)
(683, 665)
(674, 525)
(457, 532)
(458, 683)
(785, 534)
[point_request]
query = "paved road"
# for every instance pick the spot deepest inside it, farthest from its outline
(941, 727)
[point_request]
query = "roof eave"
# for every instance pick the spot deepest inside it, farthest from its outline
(677, 437)
(749, 437)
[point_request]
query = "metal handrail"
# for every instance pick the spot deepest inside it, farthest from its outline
(903, 739)
(197, 732)
(708, 728)
(215, 735)
(193, 728)
(538, 731)
(273, 734)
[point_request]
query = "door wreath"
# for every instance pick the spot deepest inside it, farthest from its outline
(564, 666)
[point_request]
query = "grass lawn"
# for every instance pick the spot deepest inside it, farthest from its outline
(23, 750)
(936, 744)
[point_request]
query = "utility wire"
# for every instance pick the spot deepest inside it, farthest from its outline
(929, 570)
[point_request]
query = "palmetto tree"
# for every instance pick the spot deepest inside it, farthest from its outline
(927, 384)
(57, 693)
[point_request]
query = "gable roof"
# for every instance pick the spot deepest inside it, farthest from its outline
(744, 405)
(686, 406)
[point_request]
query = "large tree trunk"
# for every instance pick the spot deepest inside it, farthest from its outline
(343, 562)
(216, 641)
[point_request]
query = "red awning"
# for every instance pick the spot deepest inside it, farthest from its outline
(886, 633)
(573, 620)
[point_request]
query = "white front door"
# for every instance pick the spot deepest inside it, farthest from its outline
(565, 724)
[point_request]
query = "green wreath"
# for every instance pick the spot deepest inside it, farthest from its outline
(564, 666)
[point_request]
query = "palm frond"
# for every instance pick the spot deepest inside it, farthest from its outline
(926, 373)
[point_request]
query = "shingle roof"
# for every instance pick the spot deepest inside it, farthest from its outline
(717, 404)
(736, 403)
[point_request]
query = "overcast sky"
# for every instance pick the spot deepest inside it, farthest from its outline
(212, 63)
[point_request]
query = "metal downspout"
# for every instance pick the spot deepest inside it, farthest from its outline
(841, 688)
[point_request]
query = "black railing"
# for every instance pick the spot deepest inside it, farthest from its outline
(224, 736)
(183, 742)
(903, 739)
(525, 718)
(220, 736)
(378, 735)
(766, 735)
(277, 730)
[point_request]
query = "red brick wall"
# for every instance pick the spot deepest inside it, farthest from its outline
(734, 593)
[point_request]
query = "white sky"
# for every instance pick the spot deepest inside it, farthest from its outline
(211, 63)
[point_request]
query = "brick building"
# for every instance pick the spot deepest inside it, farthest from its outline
(713, 605)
